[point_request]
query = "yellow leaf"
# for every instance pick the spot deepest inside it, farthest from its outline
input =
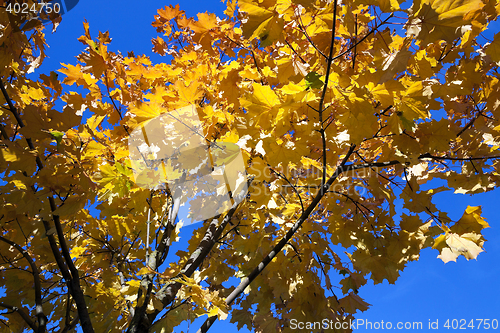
(144, 111)
(77, 251)
(292, 88)
(144, 270)
(493, 49)
(352, 303)
(169, 172)
(94, 149)
(466, 245)
(71, 205)
(261, 104)
(19, 184)
(442, 20)
(397, 62)
(73, 74)
(411, 105)
(471, 221)
(189, 94)
(263, 23)
(134, 283)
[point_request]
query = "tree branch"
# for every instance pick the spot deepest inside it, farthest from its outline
(277, 249)
(304, 31)
(73, 280)
(71, 325)
(323, 94)
(41, 318)
(290, 185)
(140, 320)
(22, 313)
(362, 39)
(168, 292)
(19, 121)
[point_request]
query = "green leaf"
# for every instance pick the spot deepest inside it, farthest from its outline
(313, 81)
(407, 124)
(58, 136)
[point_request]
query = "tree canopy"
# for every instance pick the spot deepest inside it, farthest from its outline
(288, 131)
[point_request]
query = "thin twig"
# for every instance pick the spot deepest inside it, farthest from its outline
(323, 94)
(362, 39)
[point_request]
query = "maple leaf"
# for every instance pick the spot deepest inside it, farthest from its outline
(56, 135)
(468, 245)
(352, 303)
(313, 81)
(396, 62)
(470, 222)
(436, 20)
(159, 46)
(493, 49)
(441, 135)
(264, 23)
(261, 104)
(170, 12)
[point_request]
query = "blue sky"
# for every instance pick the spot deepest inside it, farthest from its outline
(427, 289)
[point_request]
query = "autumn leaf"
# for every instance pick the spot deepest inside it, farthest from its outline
(471, 221)
(453, 245)
(352, 303)
(313, 81)
(263, 23)
(436, 20)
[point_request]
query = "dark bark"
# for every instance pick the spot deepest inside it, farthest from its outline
(72, 279)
